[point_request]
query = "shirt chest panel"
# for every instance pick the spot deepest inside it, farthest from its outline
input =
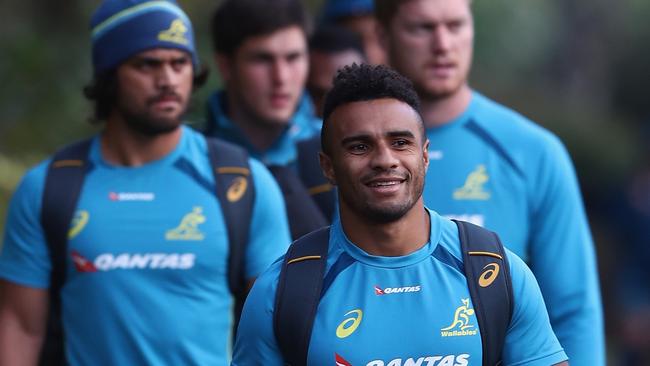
(371, 314)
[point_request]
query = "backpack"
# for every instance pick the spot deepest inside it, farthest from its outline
(63, 184)
(301, 281)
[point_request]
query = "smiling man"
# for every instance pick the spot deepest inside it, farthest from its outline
(496, 168)
(391, 289)
(122, 234)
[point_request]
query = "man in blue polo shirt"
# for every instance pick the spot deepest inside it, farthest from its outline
(495, 168)
(261, 54)
(146, 279)
(393, 291)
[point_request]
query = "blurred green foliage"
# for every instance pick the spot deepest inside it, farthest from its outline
(578, 67)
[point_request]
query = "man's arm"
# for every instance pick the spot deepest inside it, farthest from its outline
(563, 259)
(23, 320)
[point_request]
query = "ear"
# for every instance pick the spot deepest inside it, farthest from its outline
(425, 155)
(327, 167)
(224, 65)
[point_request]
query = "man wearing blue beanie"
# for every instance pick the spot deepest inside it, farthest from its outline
(122, 233)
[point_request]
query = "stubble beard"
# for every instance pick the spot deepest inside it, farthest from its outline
(146, 124)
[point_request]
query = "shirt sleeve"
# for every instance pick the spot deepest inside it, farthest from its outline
(530, 339)
(256, 343)
(269, 235)
(563, 259)
(24, 257)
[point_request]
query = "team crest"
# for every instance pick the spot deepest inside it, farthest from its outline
(175, 33)
(188, 229)
(461, 324)
(473, 187)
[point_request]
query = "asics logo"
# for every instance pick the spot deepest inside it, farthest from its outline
(79, 222)
(237, 189)
(349, 325)
(490, 273)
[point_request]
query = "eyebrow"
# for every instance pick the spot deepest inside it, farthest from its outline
(365, 137)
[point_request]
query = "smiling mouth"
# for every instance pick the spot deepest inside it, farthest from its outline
(385, 183)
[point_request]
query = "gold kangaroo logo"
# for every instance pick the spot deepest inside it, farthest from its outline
(175, 33)
(78, 223)
(188, 229)
(473, 187)
(461, 317)
(237, 189)
(490, 273)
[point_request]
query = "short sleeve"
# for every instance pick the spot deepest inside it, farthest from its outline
(24, 257)
(256, 343)
(530, 339)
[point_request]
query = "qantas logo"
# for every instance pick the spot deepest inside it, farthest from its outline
(396, 290)
(447, 360)
(131, 196)
(107, 262)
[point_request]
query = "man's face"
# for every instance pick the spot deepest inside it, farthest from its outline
(153, 90)
(377, 158)
(266, 75)
(322, 69)
(430, 42)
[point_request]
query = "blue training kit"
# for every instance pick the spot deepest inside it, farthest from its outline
(146, 279)
(302, 126)
(495, 168)
(407, 310)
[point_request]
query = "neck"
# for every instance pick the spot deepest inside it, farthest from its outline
(122, 146)
(259, 133)
(438, 111)
(402, 237)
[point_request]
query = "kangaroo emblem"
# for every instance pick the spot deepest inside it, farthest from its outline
(473, 187)
(188, 229)
(461, 317)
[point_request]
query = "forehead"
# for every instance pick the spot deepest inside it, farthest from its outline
(284, 40)
(374, 119)
(433, 10)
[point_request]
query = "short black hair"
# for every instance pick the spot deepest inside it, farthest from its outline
(236, 20)
(332, 38)
(357, 83)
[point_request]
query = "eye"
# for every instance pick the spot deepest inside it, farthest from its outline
(401, 143)
(358, 148)
(179, 63)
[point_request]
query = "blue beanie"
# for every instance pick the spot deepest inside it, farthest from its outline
(122, 28)
(336, 9)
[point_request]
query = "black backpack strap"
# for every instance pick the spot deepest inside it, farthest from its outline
(63, 183)
(490, 286)
(302, 211)
(321, 191)
(236, 193)
(298, 294)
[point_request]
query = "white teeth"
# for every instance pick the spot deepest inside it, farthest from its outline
(383, 184)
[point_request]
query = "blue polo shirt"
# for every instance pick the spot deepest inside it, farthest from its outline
(147, 257)
(408, 310)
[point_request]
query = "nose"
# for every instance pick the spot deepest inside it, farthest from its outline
(441, 39)
(384, 158)
(280, 72)
(166, 77)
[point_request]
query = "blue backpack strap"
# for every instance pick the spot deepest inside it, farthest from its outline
(63, 183)
(236, 194)
(490, 286)
(298, 294)
(321, 191)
